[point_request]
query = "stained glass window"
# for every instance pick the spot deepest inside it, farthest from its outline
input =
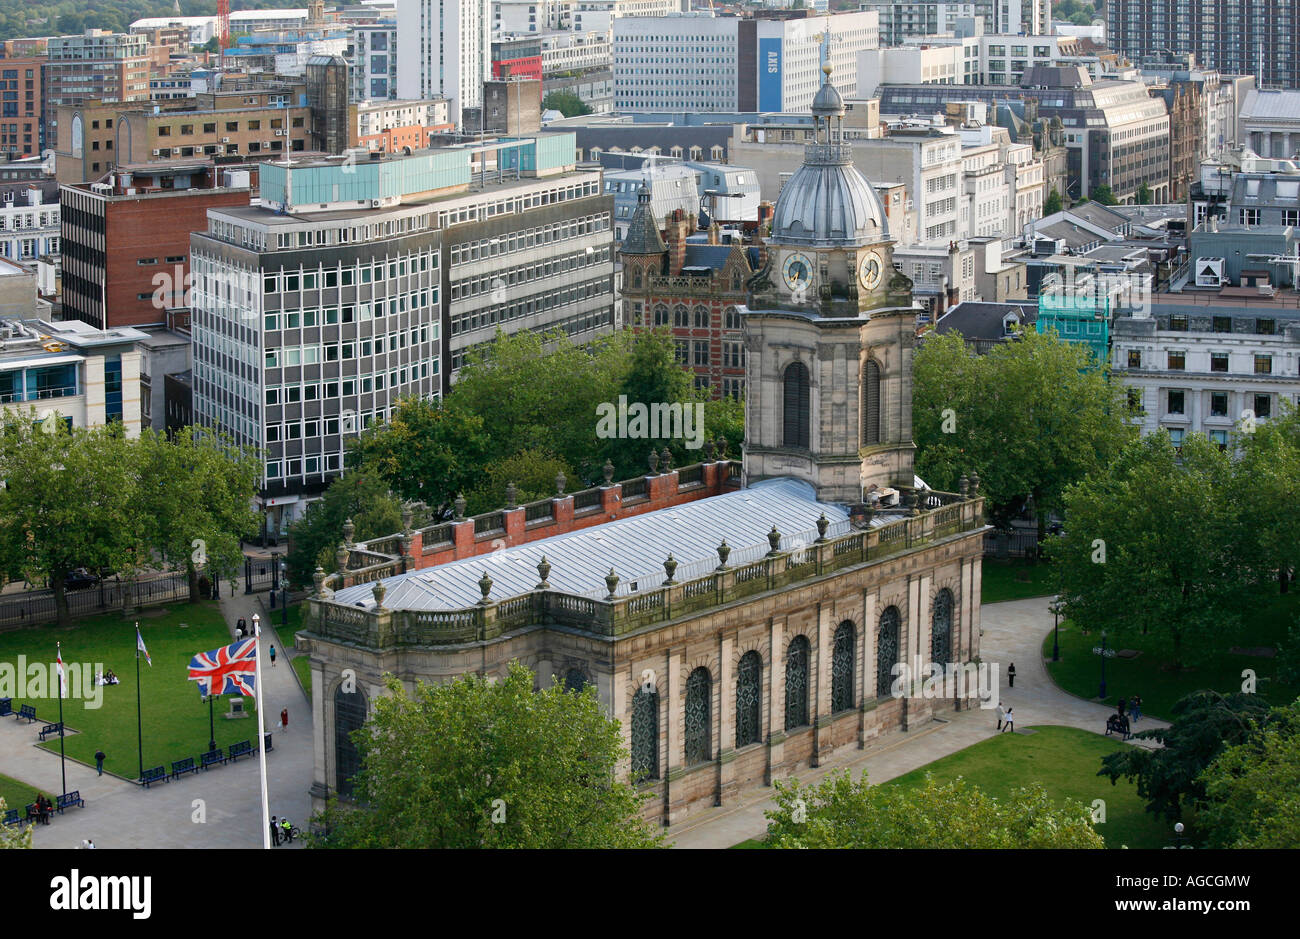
(842, 668)
(349, 715)
(941, 628)
(796, 683)
(886, 651)
(699, 707)
(645, 735)
(749, 690)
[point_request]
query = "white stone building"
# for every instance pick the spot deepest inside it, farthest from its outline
(444, 50)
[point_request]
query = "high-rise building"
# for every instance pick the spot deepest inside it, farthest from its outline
(444, 50)
(1236, 37)
(99, 65)
(21, 132)
(900, 19)
(372, 61)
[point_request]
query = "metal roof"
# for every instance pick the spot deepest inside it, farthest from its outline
(635, 547)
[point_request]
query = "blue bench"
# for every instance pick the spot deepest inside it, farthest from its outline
(243, 748)
(27, 711)
(50, 729)
(211, 758)
(6, 706)
(70, 800)
(181, 767)
(13, 818)
(156, 774)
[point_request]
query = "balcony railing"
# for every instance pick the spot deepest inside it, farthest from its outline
(749, 571)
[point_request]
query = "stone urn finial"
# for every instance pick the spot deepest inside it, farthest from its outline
(408, 515)
(318, 579)
(823, 523)
(974, 485)
(963, 486)
(653, 461)
(379, 590)
(348, 531)
(611, 581)
(341, 557)
(460, 507)
(544, 571)
(608, 470)
(666, 459)
(485, 586)
(512, 496)
(724, 550)
(722, 448)
(670, 568)
(708, 451)
(774, 539)
(560, 482)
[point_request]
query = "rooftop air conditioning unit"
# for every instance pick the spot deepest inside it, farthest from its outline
(376, 203)
(1209, 272)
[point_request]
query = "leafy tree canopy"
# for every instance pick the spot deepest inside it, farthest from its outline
(1252, 789)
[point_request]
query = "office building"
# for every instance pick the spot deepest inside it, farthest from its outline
(99, 65)
(444, 50)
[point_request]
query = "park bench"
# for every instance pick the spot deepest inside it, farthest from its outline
(243, 748)
(211, 757)
(49, 729)
(156, 774)
(70, 800)
(32, 814)
(181, 767)
(1119, 725)
(13, 818)
(6, 706)
(27, 711)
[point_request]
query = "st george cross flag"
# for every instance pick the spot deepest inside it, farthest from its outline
(228, 670)
(139, 647)
(63, 676)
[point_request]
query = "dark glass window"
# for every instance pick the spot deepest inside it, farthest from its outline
(699, 707)
(842, 668)
(941, 629)
(871, 403)
(645, 735)
(575, 680)
(349, 715)
(749, 689)
(796, 683)
(886, 651)
(795, 427)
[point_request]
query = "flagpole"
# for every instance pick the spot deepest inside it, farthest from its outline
(139, 725)
(63, 766)
(261, 734)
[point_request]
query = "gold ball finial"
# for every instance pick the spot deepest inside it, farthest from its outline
(826, 69)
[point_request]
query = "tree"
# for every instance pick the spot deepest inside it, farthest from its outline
(194, 500)
(567, 103)
(532, 471)
(840, 813)
(1031, 417)
(653, 377)
(1169, 777)
(427, 451)
(1144, 195)
(66, 501)
(1151, 545)
(476, 763)
(1252, 789)
(361, 495)
(1052, 203)
(13, 837)
(1267, 477)
(1103, 195)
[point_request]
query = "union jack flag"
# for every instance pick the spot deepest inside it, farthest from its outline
(230, 669)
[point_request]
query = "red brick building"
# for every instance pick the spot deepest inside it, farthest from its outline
(20, 111)
(126, 243)
(692, 284)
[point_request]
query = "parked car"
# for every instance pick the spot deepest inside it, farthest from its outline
(80, 579)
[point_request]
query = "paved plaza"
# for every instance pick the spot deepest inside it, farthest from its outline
(121, 814)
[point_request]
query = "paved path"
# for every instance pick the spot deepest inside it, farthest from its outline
(1012, 632)
(122, 814)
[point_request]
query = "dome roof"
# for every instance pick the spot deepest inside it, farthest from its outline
(828, 102)
(828, 202)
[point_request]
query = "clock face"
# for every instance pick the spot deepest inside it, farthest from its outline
(796, 271)
(869, 271)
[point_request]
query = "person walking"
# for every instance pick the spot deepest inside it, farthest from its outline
(1010, 723)
(99, 761)
(273, 656)
(1135, 707)
(241, 628)
(284, 719)
(88, 843)
(275, 831)
(1002, 715)
(1011, 675)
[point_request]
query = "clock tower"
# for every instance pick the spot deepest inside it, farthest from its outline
(830, 330)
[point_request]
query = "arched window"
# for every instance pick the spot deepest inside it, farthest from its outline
(696, 153)
(795, 430)
(349, 715)
(595, 154)
(796, 683)
(645, 735)
(716, 152)
(701, 317)
(749, 693)
(676, 151)
(681, 317)
(661, 315)
(941, 628)
(699, 711)
(731, 318)
(886, 651)
(870, 403)
(575, 680)
(842, 668)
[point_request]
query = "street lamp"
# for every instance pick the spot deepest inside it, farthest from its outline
(1056, 629)
(284, 599)
(1105, 654)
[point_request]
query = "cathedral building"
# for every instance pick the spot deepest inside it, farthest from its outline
(741, 637)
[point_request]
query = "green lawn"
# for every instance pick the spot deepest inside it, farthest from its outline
(301, 664)
(17, 794)
(1064, 760)
(1014, 580)
(1149, 675)
(174, 718)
